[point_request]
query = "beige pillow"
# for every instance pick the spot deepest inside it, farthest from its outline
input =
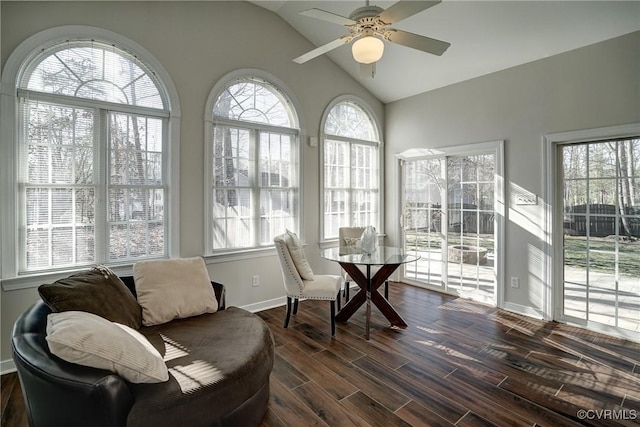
(297, 255)
(90, 340)
(173, 289)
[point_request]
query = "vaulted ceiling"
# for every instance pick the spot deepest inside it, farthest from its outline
(485, 37)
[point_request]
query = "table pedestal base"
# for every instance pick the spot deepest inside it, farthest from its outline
(369, 293)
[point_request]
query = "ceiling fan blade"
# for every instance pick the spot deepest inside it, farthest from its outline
(425, 44)
(323, 49)
(404, 9)
(327, 16)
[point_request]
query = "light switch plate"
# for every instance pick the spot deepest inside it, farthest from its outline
(526, 199)
(515, 282)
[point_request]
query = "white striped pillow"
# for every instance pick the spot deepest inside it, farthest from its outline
(86, 339)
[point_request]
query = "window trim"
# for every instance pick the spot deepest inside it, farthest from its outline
(237, 254)
(324, 242)
(10, 278)
(90, 103)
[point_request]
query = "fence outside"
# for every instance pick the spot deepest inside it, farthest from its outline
(428, 217)
(602, 221)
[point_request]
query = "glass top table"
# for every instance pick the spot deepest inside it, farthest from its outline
(386, 260)
(382, 256)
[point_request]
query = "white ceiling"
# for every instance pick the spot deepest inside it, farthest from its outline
(485, 37)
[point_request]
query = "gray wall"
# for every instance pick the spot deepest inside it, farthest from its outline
(591, 87)
(198, 43)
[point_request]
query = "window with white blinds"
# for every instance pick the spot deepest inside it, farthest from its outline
(253, 163)
(351, 158)
(93, 158)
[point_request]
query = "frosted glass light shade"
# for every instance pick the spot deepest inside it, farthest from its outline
(367, 49)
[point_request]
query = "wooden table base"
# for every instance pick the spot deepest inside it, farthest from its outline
(369, 294)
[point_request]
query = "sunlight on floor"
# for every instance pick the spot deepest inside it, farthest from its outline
(447, 350)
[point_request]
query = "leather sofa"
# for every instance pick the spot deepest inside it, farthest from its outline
(219, 367)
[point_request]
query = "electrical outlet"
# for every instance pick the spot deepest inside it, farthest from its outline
(256, 281)
(515, 282)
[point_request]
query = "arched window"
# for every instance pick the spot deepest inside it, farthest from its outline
(253, 164)
(93, 158)
(351, 167)
(95, 71)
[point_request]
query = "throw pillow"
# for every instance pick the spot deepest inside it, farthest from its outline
(297, 255)
(90, 340)
(352, 242)
(99, 291)
(173, 289)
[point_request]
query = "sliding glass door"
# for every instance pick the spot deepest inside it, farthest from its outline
(449, 219)
(601, 233)
(470, 234)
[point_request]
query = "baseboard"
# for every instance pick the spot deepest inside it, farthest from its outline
(265, 305)
(272, 303)
(7, 366)
(524, 310)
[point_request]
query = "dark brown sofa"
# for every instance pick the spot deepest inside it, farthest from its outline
(219, 374)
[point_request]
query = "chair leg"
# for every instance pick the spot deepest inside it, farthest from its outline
(386, 290)
(339, 299)
(346, 291)
(333, 318)
(295, 306)
(288, 315)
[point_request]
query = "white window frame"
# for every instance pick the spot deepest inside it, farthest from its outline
(553, 216)
(296, 131)
(10, 275)
(380, 146)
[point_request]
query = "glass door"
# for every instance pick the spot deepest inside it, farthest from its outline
(423, 184)
(601, 234)
(449, 220)
(470, 226)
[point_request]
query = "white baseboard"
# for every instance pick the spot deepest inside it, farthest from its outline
(265, 305)
(524, 310)
(7, 366)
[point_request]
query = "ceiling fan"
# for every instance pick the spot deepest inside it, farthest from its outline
(369, 25)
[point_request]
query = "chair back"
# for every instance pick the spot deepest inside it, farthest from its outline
(293, 284)
(345, 233)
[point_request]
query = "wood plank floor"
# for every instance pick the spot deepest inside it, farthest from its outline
(458, 363)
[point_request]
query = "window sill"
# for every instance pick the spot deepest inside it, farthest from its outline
(33, 280)
(329, 243)
(239, 255)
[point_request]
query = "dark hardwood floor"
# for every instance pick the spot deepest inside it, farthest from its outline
(458, 363)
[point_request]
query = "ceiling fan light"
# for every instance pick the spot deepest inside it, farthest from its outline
(367, 49)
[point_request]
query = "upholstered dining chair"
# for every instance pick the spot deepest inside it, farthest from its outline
(350, 236)
(299, 280)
